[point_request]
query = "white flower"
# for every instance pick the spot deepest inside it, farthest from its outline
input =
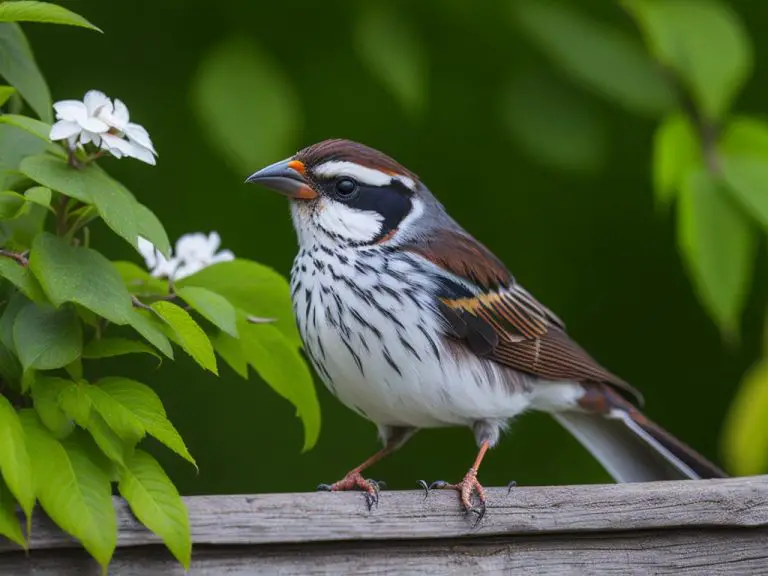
(97, 119)
(79, 120)
(159, 266)
(193, 253)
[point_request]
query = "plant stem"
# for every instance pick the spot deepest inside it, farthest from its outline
(61, 215)
(21, 258)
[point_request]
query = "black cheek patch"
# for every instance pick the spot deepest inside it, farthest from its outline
(389, 201)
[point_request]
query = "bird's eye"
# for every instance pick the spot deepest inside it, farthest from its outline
(346, 188)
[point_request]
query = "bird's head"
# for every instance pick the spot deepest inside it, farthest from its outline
(345, 192)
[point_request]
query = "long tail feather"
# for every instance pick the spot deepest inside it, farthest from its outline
(633, 449)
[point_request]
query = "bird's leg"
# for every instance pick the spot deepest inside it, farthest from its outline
(354, 478)
(469, 485)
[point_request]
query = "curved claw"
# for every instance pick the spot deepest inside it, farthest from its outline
(511, 485)
(371, 499)
(479, 511)
(324, 487)
(424, 485)
(437, 484)
(382, 485)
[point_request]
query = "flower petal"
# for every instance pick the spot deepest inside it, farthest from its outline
(187, 269)
(165, 268)
(117, 146)
(141, 153)
(93, 125)
(138, 134)
(71, 110)
(148, 251)
(64, 129)
(214, 241)
(120, 115)
(96, 101)
(193, 247)
(223, 256)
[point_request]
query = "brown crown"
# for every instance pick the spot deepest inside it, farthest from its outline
(341, 150)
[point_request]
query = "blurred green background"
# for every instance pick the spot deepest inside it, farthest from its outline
(555, 180)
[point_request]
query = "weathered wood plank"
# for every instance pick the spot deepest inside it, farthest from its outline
(683, 552)
(326, 517)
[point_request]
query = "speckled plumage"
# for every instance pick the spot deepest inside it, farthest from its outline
(413, 324)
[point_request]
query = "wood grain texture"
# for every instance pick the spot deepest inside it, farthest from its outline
(688, 552)
(715, 525)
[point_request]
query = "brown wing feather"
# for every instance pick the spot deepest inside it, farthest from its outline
(505, 323)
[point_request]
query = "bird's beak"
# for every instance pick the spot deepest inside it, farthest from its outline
(286, 177)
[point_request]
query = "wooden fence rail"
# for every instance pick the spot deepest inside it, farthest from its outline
(693, 527)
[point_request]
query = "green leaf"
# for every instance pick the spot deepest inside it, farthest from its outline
(120, 418)
(110, 444)
(40, 195)
(704, 41)
(604, 59)
(555, 125)
(46, 338)
(16, 303)
(14, 457)
(15, 145)
(747, 178)
(10, 369)
(30, 125)
(81, 275)
(190, 336)
(90, 185)
(19, 69)
(148, 328)
(22, 278)
(9, 521)
(143, 403)
(231, 350)
(211, 306)
(252, 287)
(139, 281)
(150, 227)
(676, 152)
(27, 11)
(5, 93)
(109, 347)
(73, 486)
(157, 504)
(12, 205)
(718, 243)
(745, 434)
(75, 369)
(745, 136)
(45, 395)
(392, 50)
(246, 132)
(281, 365)
(77, 403)
(19, 234)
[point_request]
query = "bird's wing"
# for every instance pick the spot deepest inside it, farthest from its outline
(495, 317)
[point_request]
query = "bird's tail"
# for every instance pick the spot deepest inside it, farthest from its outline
(632, 448)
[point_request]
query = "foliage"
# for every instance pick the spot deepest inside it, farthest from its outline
(66, 438)
(711, 163)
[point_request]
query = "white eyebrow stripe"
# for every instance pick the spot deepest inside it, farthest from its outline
(363, 174)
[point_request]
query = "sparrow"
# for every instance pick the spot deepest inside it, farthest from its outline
(413, 323)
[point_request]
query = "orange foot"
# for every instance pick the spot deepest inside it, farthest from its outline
(466, 488)
(355, 481)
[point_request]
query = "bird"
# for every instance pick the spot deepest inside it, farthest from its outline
(414, 324)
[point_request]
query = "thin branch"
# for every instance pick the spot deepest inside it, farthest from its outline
(20, 257)
(139, 304)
